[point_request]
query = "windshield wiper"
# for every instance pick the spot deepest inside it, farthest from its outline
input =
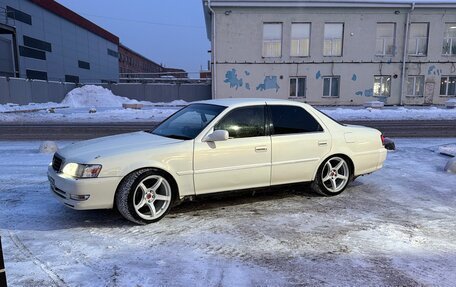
(178, 137)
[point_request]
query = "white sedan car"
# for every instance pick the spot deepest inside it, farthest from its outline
(214, 146)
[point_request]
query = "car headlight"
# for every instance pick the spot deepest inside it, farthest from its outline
(82, 170)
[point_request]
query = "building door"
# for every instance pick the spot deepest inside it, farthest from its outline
(6, 58)
(428, 92)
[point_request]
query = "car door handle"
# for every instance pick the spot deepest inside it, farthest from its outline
(322, 143)
(261, 148)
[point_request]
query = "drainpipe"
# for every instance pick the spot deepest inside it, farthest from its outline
(404, 54)
(213, 51)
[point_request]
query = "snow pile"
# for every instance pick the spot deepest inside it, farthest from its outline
(390, 113)
(48, 147)
(448, 149)
(9, 108)
(450, 104)
(374, 104)
(451, 165)
(94, 96)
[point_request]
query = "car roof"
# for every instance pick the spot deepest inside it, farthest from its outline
(230, 102)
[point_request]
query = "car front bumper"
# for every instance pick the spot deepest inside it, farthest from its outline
(99, 192)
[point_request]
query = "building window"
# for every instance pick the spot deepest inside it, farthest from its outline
(385, 39)
(298, 87)
(32, 53)
(449, 40)
(272, 39)
(382, 86)
(415, 86)
(300, 39)
(332, 45)
(71, 79)
(37, 44)
(331, 87)
(113, 53)
(418, 39)
(448, 86)
(37, 75)
(18, 15)
(84, 65)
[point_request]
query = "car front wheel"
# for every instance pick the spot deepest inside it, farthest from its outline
(144, 196)
(332, 177)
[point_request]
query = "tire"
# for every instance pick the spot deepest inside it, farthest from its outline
(145, 196)
(333, 176)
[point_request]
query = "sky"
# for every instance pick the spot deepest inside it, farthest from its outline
(171, 32)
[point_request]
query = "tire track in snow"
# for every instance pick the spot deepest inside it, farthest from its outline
(22, 248)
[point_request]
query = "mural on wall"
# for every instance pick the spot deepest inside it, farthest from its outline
(354, 77)
(366, 93)
(434, 71)
(269, 82)
(318, 75)
(370, 93)
(232, 79)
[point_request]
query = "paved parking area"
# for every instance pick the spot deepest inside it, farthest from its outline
(394, 227)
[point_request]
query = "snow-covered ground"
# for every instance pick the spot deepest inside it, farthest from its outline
(77, 104)
(394, 227)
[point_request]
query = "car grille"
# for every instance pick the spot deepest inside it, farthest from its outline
(57, 163)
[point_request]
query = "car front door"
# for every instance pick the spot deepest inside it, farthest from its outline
(299, 142)
(242, 161)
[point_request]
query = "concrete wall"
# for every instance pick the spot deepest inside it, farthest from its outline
(22, 91)
(238, 49)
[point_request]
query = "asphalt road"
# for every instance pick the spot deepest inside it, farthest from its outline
(69, 131)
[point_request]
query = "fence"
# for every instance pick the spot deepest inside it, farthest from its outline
(23, 91)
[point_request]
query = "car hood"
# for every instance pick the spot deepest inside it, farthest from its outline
(100, 148)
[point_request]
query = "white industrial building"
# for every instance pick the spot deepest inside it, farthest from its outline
(43, 40)
(334, 52)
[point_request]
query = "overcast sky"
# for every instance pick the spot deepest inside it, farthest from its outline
(170, 32)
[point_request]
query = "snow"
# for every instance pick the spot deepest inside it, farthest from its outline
(89, 103)
(76, 106)
(390, 113)
(449, 149)
(94, 96)
(48, 147)
(393, 227)
(451, 165)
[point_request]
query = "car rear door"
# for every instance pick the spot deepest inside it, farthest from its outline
(242, 161)
(299, 143)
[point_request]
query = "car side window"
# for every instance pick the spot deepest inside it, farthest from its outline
(292, 120)
(243, 122)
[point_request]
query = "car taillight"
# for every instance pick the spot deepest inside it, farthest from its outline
(383, 139)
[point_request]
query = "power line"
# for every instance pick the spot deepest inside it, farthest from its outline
(144, 22)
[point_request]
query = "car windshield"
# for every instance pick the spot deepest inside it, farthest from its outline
(188, 122)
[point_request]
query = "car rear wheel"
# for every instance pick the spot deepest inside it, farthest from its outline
(332, 177)
(145, 196)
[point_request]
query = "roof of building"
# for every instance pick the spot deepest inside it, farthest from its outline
(75, 18)
(333, 3)
(322, 4)
(122, 46)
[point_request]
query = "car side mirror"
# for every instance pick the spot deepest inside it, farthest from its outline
(216, 136)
